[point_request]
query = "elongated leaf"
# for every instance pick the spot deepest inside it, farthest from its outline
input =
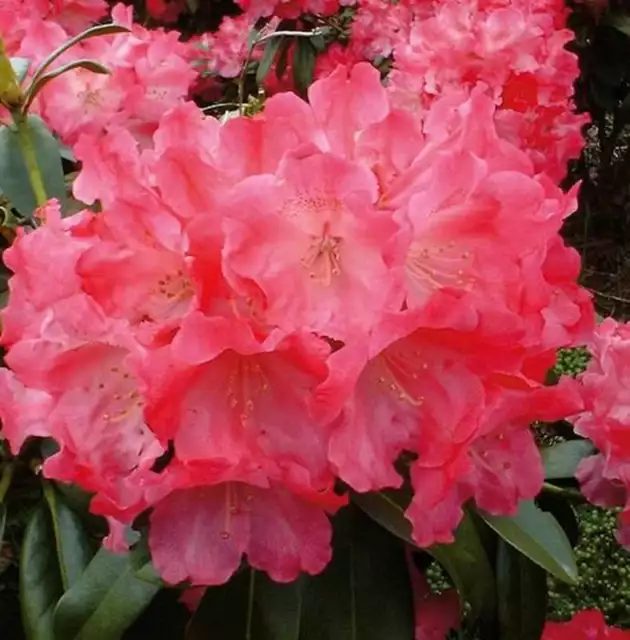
(522, 595)
(92, 32)
(466, 560)
(40, 582)
(365, 592)
(104, 602)
(251, 606)
(387, 507)
(269, 55)
(37, 85)
(304, 56)
(538, 535)
(14, 178)
(74, 551)
(562, 460)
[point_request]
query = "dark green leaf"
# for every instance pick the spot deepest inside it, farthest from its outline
(560, 508)
(271, 49)
(562, 459)
(365, 592)
(20, 68)
(105, 601)
(304, 56)
(387, 507)
(318, 43)
(40, 582)
(538, 535)
(14, 178)
(466, 562)
(250, 606)
(74, 551)
(37, 85)
(522, 595)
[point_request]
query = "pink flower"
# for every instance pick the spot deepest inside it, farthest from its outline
(312, 240)
(201, 534)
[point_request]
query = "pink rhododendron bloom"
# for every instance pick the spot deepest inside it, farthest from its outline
(288, 300)
(605, 477)
(278, 532)
(585, 625)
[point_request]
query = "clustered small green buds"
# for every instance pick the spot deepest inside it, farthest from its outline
(604, 568)
(572, 362)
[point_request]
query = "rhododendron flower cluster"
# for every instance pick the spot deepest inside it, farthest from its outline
(267, 306)
(517, 49)
(605, 477)
(150, 71)
(586, 625)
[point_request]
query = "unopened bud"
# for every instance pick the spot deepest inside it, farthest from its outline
(10, 91)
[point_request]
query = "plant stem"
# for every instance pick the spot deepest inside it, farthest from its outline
(564, 492)
(5, 480)
(30, 158)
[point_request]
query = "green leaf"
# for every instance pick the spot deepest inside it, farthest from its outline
(387, 507)
(619, 21)
(561, 460)
(250, 605)
(538, 535)
(37, 85)
(74, 551)
(467, 563)
(318, 42)
(303, 64)
(105, 601)
(522, 595)
(14, 179)
(40, 582)
(20, 68)
(365, 592)
(465, 560)
(271, 49)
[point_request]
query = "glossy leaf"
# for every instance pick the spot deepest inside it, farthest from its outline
(37, 85)
(561, 460)
(365, 592)
(40, 581)
(14, 178)
(522, 595)
(538, 535)
(387, 507)
(269, 55)
(74, 551)
(304, 56)
(105, 601)
(466, 562)
(251, 606)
